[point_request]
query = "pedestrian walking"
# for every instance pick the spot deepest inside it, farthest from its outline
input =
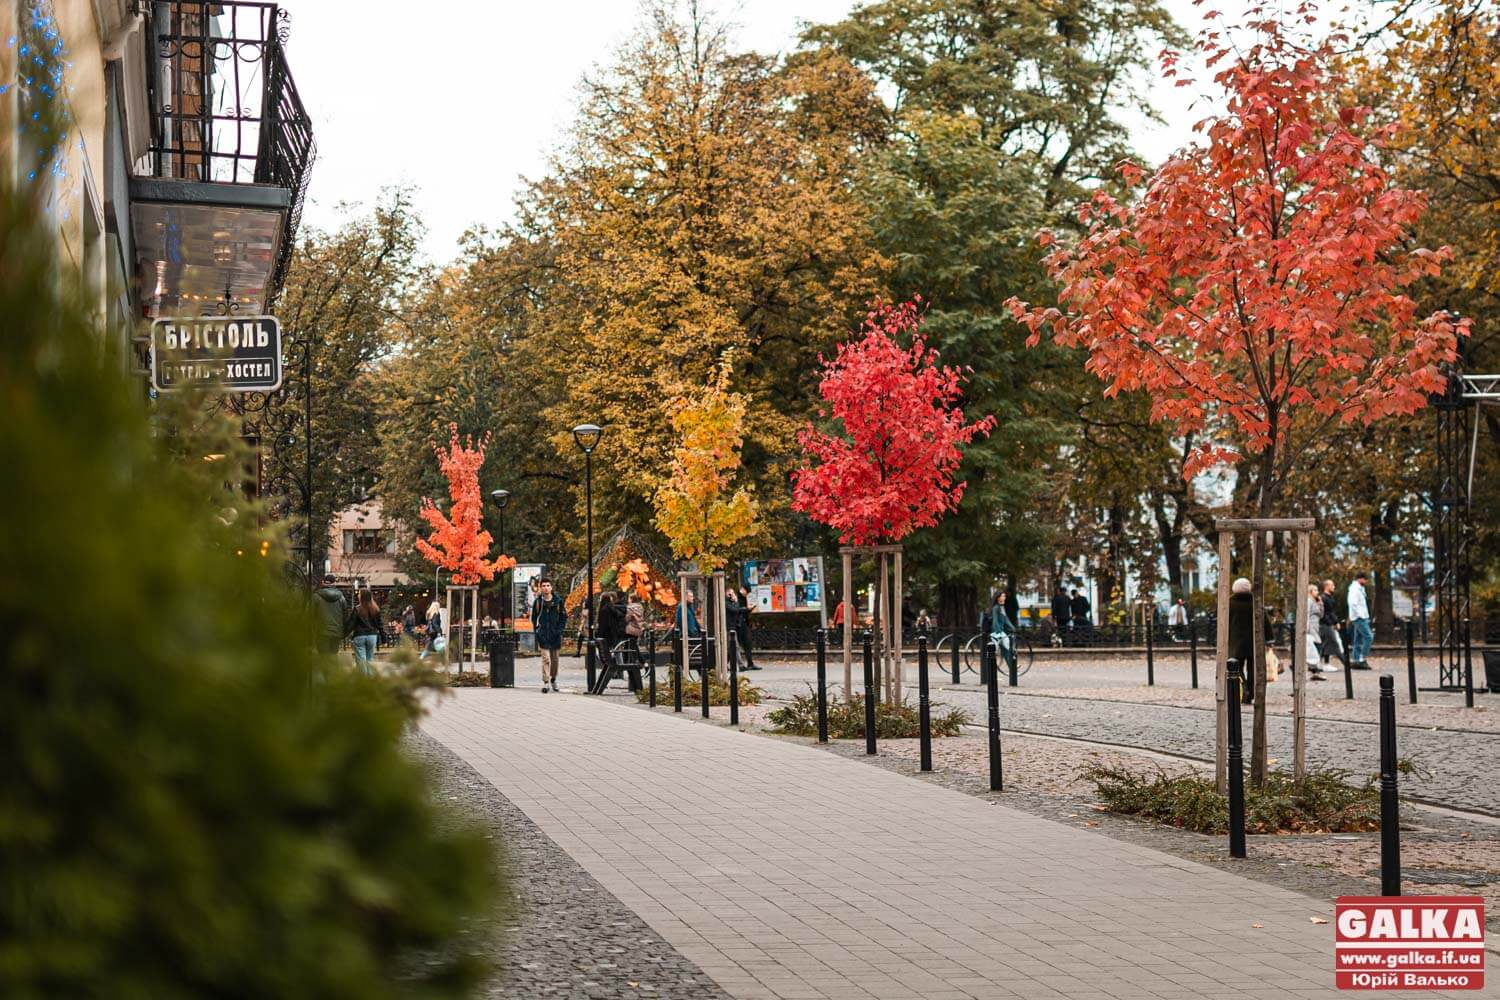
(1313, 634)
(1329, 643)
(739, 620)
(1062, 613)
(366, 630)
(610, 631)
(1177, 620)
(924, 621)
(1240, 655)
(333, 616)
(437, 635)
(841, 613)
(1360, 635)
(548, 616)
(409, 624)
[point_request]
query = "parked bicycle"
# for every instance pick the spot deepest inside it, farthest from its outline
(969, 654)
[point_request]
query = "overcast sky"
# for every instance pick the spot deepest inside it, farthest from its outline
(462, 98)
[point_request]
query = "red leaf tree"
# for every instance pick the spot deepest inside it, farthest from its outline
(891, 470)
(1257, 290)
(458, 543)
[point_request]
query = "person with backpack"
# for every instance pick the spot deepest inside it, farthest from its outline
(737, 609)
(333, 616)
(548, 616)
(366, 629)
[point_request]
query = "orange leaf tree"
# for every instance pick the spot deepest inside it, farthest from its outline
(458, 543)
(891, 470)
(1257, 289)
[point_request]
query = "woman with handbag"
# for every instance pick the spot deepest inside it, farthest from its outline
(437, 639)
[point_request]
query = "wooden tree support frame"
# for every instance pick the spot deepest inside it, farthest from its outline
(888, 625)
(472, 590)
(1227, 528)
(716, 620)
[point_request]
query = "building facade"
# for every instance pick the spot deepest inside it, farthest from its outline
(166, 142)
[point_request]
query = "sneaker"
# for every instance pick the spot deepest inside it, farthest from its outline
(556, 688)
(1317, 675)
(544, 689)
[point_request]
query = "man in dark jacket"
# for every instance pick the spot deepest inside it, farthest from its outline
(333, 616)
(548, 615)
(1062, 609)
(1082, 611)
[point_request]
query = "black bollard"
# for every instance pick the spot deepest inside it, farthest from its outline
(870, 695)
(992, 693)
(957, 677)
(823, 685)
(1390, 807)
(703, 671)
(1348, 673)
(1013, 660)
(1193, 651)
(679, 659)
(1411, 661)
(588, 661)
(1468, 666)
(1150, 657)
(1236, 771)
(924, 707)
(651, 664)
(734, 681)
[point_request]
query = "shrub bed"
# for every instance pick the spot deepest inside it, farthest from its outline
(718, 691)
(1325, 802)
(846, 719)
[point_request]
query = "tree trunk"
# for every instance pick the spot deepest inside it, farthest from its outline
(1169, 530)
(958, 604)
(1384, 611)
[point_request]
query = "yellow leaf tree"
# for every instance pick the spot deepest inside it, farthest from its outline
(694, 507)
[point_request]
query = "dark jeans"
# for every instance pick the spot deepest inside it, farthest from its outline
(743, 634)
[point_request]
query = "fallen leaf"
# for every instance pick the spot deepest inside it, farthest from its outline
(1257, 925)
(1317, 920)
(1092, 822)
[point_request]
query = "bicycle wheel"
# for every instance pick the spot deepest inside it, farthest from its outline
(1025, 653)
(972, 654)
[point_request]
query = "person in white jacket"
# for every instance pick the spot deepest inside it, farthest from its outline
(1360, 635)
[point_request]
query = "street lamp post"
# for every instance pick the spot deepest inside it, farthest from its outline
(500, 498)
(587, 436)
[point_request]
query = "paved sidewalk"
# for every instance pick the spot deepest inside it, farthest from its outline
(786, 872)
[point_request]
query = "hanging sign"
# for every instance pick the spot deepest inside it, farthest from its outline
(228, 353)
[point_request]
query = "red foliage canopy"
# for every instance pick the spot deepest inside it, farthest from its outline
(1258, 286)
(892, 470)
(458, 543)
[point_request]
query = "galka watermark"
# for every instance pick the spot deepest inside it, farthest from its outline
(1409, 943)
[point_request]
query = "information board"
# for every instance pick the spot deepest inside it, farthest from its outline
(228, 353)
(524, 589)
(782, 585)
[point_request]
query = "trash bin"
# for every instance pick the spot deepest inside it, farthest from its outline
(503, 660)
(1492, 670)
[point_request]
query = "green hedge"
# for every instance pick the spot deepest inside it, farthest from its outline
(192, 804)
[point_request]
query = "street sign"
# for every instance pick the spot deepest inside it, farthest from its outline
(228, 353)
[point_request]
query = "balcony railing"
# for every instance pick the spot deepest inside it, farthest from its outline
(225, 109)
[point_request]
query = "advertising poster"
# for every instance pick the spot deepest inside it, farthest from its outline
(781, 585)
(524, 589)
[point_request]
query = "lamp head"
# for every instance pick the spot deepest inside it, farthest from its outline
(587, 436)
(500, 498)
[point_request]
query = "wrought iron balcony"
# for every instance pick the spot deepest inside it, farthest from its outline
(217, 201)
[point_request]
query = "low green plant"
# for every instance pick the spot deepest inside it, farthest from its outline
(846, 718)
(718, 691)
(1323, 802)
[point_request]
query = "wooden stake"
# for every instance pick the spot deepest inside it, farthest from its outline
(1221, 667)
(1299, 662)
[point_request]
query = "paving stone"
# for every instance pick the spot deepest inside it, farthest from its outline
(856, 870)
